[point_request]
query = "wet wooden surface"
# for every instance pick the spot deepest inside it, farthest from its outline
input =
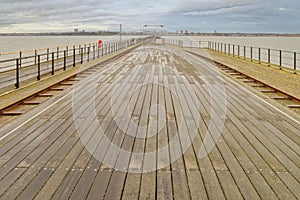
(257, 155)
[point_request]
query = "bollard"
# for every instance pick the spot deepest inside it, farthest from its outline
(229, 49)
(20, 61)
(52, 71)
(295, 62)
(93, 52)
(65, 64)
(57, 53)
(47, 54)
(251, 53)
(81, 56)
(259, 55)
(74, 57)
(238, 50)
(233, 50)
(39, 68)
(244, 52)
(88, 53)
(280, 58)
(35, 55)
(17, 74)
(269, 56)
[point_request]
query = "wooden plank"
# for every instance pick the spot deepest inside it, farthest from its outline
(228, 184)
(209, 172)
(17, 154)
(164, 185)
(248, 81)
(293, 106)
(132, 184)
(31, 102)
(148, 180)
(271, 178)
(115, 187)
(180, 185)
(100, 184)
(10, 179)
(56, 89)
(268, 145)
(33, 188)
(11, 113)
(44, 95)
(268, 91)
(66, 186)
(196, 185)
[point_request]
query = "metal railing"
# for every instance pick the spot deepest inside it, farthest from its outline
(27, 65)
(274, 57)
(188, 43)
(267, 56)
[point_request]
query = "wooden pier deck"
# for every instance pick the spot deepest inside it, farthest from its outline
(141, 102)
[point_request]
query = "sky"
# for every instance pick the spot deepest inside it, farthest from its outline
(269, 16)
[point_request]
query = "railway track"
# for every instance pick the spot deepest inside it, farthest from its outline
(283, 98)
(14, 110)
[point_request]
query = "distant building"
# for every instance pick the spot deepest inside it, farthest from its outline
(76, 30)
(83, 31)
(186, 32)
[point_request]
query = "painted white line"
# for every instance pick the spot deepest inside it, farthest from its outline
(65, 96)
(252, 93)
(6, 135)
(269, 104)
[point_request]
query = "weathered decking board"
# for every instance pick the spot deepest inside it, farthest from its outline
(256, 157)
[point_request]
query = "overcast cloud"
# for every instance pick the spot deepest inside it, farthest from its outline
(193, 15)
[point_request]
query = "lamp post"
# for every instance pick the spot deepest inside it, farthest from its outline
(120, 46)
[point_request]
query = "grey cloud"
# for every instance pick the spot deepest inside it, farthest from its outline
(93, 13)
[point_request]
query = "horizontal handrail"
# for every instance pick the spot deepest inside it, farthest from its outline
(270, 56)
(48, 63)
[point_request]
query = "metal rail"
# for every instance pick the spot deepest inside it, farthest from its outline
(268, 56)
(294, 101)
(41, 64)
(6, 111)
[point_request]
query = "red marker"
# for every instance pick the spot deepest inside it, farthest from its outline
(99, 44)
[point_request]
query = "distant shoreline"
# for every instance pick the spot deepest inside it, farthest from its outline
(241, 34)
(165, 34)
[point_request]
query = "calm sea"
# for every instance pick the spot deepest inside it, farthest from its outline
(279, 43)
(22, 43)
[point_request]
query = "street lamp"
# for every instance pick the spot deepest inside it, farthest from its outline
(120, 35)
